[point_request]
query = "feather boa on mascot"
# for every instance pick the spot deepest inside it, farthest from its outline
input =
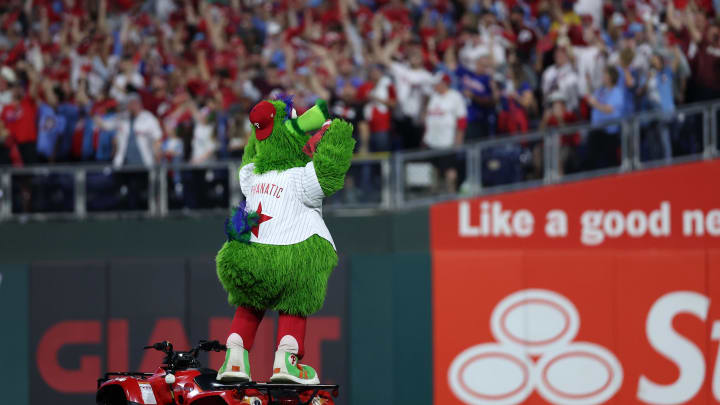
(279, 254)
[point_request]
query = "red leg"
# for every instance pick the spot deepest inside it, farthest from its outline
(291, 334)
(245, 323)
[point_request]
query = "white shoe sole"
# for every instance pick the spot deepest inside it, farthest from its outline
(287, 378)
(233, 376)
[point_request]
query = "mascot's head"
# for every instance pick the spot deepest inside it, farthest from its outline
(280, 134)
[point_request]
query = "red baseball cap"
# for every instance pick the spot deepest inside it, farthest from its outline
(262, 117)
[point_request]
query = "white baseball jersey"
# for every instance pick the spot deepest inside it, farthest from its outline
(441, 118)
(289, 204)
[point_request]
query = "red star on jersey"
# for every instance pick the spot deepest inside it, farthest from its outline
(256, 229)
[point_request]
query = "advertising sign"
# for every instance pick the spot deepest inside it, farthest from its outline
(575, 308)
(662, 208)
(102, 319)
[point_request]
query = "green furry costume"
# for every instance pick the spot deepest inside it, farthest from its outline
(290, 278)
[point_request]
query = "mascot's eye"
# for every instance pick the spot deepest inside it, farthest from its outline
(293, 114)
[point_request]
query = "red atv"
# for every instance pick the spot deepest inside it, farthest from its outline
(181, 380)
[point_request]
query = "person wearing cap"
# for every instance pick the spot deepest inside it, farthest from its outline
(445, 122)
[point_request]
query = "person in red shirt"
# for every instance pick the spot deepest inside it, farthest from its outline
(705, 66)
(525, 38)
(9, 154)
(557, 116)
(20, 117)
(379, 97)
(154, 95)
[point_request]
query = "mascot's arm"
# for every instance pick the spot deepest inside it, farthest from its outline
(250, 151)
(333, 155)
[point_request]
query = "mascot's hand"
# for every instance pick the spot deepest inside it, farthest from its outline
(341, 128)
(333, 134)
(332, 154)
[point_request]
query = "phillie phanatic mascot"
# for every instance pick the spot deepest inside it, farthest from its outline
(279, 253)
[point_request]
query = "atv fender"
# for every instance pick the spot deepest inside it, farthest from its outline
(125, 392)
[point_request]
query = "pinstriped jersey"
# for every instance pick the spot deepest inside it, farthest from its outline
(289, 204)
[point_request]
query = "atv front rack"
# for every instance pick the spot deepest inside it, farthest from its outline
(276, 392)
(107, 376)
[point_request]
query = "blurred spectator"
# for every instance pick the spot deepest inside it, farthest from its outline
(204, 144)
(445, 122)
(659, 96)
(517, 101)
(487, 42)
(412, 83)
(377, 112)
(524, 36)
(628, 80)
(51, 125)
(706, 64)
(558, 115)
(480, 91)
(20, 116)
(99, 139)
(9, 154)
(127, 80)
(138, 135)
(238, 132)
(561, 77)
(607, 105)
(7, 79)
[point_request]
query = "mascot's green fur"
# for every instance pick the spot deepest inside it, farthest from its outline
(288, 278)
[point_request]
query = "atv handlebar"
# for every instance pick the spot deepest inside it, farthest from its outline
(165, 347)
(210, 346)
(204, 345)
(183, 360)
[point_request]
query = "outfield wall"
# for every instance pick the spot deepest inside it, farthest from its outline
(602, 291)
(78, 299)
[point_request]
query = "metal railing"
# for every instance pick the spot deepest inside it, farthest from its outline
(104, 191)
(404, 179)
(692, 127)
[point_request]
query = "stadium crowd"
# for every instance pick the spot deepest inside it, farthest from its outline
(138, 82)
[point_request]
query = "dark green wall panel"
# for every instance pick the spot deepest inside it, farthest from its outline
(371, 315)
(412, 328)
(14, 336)
(391, 328)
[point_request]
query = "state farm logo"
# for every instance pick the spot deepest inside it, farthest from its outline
(539, 324)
